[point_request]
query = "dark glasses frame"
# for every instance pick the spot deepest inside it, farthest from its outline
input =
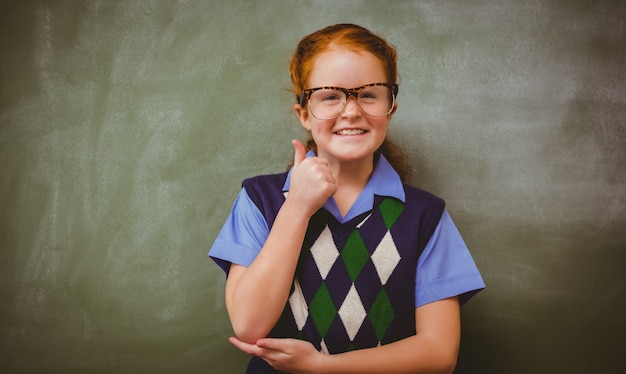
(306, 94)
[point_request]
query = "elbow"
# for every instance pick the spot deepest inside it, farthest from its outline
(444, 358)
(248, 327)
(249, 332)
(447, 361)
(442, 365)
(448, 366)
(248, 337)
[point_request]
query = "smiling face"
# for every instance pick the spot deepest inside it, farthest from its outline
(354, 136)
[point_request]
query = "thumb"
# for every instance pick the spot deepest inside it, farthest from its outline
(300, 152)
(268, 344)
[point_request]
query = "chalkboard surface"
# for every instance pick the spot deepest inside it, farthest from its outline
(126, 128)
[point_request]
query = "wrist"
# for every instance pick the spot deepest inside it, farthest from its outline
(322, 364)
(296, 208)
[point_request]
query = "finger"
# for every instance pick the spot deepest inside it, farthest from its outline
(273, 344)
(300, 152)
(250, 349)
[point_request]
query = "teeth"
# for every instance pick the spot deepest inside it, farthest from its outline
(351, 132)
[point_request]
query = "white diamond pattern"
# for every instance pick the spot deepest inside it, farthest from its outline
(385, 258)
(324, 347)
(298, 305)
(352, 313)
(363, 222)
(324, 252)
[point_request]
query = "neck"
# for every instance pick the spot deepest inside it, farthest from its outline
(352, 173)
(351, 178)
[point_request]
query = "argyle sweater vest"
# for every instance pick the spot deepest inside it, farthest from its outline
(354, 285)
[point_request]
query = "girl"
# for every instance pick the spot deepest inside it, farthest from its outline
(338, 265)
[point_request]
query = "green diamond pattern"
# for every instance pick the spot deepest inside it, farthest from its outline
(322, 309)
(381, 314)
(354, 255)
(390, 209)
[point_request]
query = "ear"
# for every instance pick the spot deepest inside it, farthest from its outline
(303, 116)
(395, 107)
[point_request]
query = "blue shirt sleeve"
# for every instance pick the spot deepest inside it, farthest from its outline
(241, 238)
(445, 267)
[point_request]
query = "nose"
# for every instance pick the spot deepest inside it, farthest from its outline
(351, 107)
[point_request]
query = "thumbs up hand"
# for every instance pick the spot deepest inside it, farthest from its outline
(312, 181)
(299, 152)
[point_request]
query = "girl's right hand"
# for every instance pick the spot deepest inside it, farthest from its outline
(312, 182)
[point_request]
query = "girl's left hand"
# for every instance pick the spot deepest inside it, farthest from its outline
(290, 355)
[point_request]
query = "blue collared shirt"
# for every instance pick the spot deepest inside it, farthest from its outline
(444, 269)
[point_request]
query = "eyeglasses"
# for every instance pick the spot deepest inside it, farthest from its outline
(374, 99)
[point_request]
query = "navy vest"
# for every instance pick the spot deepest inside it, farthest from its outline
(354, 285)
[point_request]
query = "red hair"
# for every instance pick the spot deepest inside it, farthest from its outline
(352, 36)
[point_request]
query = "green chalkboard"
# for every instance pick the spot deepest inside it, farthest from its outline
(126, 128)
